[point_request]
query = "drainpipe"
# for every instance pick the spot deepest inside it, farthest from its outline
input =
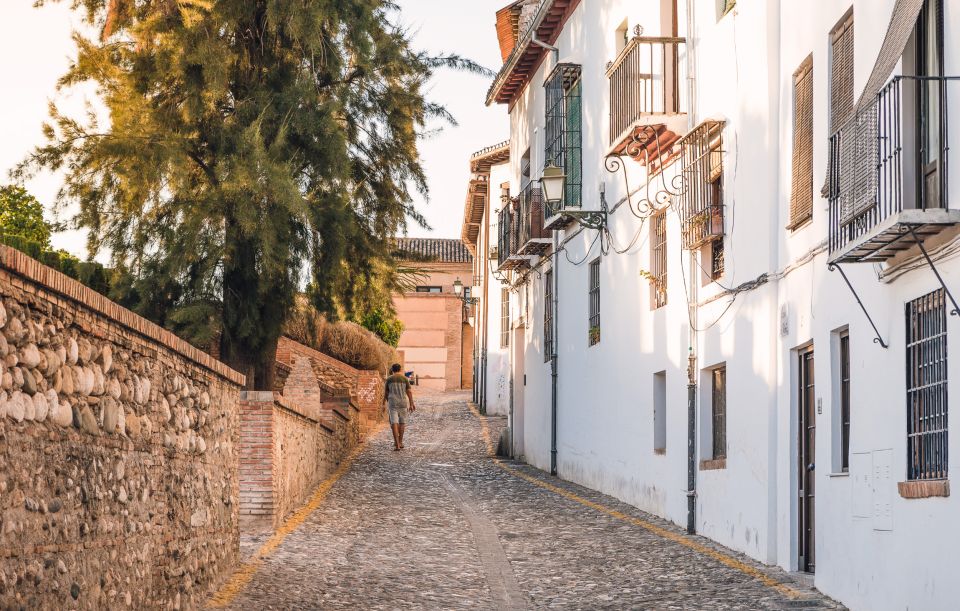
(486, 303)
(692, 292)
(536, 41)
(554, 365)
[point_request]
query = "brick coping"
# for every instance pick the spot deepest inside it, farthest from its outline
(924, 489)
(51, 280)
(714, 464)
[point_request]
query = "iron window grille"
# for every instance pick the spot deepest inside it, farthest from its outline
(926, 319)
(701, 205)
(845, 402)
(548, 346)
(719, 412)
(594, 321)
(658, 259)
(563, 131)
(504, 317)
(717, 256)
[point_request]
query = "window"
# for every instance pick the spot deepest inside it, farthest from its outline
(429, 289)
(548, 347)
(622, 36)
(563, 130)
(718, 403)
(801, 191)
(841, 72)
(658, 259)
(927, 387)
(594, 331)
(701, 205)
(845, 401)
(716, 259)
(660, 412)
(504, 317)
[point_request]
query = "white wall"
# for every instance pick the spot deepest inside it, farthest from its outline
(605, 430)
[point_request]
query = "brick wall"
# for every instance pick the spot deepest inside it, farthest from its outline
(286, 451)
(118, 473)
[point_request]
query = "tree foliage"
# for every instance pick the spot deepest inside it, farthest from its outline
(384, 325)
(21, 215)
(252, 146)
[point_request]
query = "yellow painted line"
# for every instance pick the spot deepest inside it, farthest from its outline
(681, 539)
(245, 572)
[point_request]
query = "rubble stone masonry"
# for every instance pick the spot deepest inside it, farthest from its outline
(118, 453)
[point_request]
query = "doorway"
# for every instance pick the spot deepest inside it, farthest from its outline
(806, 450)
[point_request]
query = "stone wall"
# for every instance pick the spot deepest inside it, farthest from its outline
(287, 448)
(334, 377)
(118, 469)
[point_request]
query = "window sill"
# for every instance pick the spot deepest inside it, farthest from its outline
(799, 224)
(839, 474)
(924, 489)
(713, 465)
(660, 451)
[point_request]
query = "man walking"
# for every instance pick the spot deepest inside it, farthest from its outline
(398, 392)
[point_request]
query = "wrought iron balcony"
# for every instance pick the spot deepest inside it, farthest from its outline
(647, 115)
(534, 238)
(508, 239)
(888, 180)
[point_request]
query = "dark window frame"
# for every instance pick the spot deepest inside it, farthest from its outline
(593, 294)
(430, 289)
(926, 387)
(844, 339)
(718, 412)
(548, 346)
(563, 131)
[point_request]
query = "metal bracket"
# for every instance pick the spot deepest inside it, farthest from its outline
(877, 339)
(591, 219)
(956, 309)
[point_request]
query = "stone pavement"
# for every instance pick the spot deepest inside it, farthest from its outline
(441, 525)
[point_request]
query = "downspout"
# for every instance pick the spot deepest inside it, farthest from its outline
(554, 364)
(692, 306)
(556, 326)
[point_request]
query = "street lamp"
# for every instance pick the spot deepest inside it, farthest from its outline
(552, 183)
(458, 291)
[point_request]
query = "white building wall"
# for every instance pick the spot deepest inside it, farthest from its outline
(497, 397)
(605, 428)
(875, 550)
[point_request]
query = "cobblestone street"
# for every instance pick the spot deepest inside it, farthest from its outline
(441, 525)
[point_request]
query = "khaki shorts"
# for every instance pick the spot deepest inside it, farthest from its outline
(398, 415)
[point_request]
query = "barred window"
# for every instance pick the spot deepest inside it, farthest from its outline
(594, 330)
(562, 145)
(927, 387)
(841, 72)
(718, 409)
(801, 191)
(548, 347)
(701, 209)
(716, 259)
(845, 401)
(504, 317)
(658, 259)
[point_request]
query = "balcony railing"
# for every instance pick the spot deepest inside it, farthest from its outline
(888, 175)
(508, 238)
(701, 202)
(644, 86)
(534, 238)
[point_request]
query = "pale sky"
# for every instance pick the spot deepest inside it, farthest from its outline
(35, 46)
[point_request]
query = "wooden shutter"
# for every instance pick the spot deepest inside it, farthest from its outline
(841, 83)
(841, 73)
(801, 192)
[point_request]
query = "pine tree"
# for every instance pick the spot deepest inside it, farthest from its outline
(253, 146)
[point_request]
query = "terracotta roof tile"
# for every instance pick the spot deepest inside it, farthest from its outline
(441, 250)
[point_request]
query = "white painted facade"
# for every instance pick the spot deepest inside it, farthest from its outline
(874, 548)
